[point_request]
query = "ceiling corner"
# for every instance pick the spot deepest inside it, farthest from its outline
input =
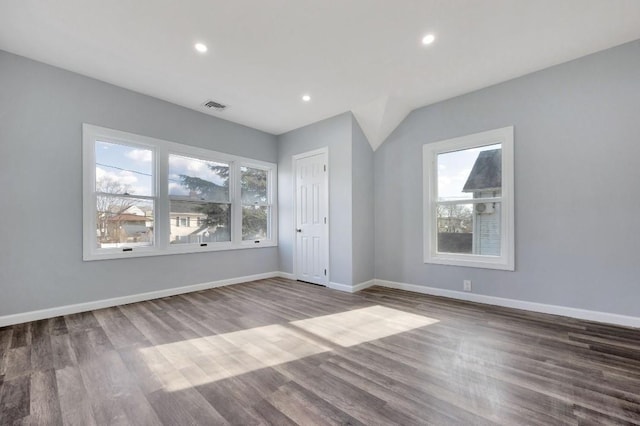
(380, 117)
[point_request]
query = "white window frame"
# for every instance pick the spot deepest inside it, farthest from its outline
(161, 150)
(506, 261)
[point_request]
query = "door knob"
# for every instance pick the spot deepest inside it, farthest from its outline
(298, 230)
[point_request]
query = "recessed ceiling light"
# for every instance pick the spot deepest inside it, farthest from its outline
(306, 98)
(202, 48)
(428, 39)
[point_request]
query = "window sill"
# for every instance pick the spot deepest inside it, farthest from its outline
(187, 249)
(483, 262)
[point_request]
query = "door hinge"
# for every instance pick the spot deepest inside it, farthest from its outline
(325, 220)
(325, 272)
(325, 167)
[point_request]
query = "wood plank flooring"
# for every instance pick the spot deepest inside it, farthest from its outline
(281, 352)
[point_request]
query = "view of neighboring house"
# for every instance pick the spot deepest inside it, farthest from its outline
(190, 224)
(193, 222)
(485, 181)
(132, 225)
(466, 228)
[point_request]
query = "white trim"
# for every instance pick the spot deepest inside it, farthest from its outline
(123, 300)
(186, 249)
(363, 285)
(342, 287)
(597, 316)
(351, 288)
(604, 317)
(323, 150)
(430, 151)
(287, 275)
(472, 201)
(294, 158)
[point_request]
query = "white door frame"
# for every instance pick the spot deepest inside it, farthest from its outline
(294, 225)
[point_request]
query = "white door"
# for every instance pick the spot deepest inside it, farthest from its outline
(312, 215)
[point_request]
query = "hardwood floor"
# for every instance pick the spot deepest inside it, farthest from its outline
(282, 352)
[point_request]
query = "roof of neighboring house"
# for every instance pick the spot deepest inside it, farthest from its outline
(134, 210)
(201, 230)
(486, 173)
(126, 217)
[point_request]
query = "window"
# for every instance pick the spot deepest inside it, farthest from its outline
(199, 190)
(468, 201)
(146, 197)
(125, 196)
(256, 206)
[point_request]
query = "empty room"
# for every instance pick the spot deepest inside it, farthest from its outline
(310, 212)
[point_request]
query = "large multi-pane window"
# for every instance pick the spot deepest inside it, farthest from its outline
(144, 197)
(469, 200)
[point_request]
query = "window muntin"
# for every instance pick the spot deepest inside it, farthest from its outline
(145, 197)
(469, 200)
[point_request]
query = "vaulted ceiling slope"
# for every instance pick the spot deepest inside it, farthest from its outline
(360, 55)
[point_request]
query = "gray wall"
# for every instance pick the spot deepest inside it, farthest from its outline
(363, 209)
(42, 109)
(577, 153)
(334, 133)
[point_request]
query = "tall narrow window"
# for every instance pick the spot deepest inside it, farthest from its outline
(125, 196)
(199, 193)
(469, 200)
(256, 205)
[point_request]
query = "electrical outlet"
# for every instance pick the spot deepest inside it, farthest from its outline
(466, 285)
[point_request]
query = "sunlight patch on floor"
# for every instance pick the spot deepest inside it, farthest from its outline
(194, 362)
(208, 359)
(362, 325)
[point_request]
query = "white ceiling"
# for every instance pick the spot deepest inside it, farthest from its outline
(363, 56)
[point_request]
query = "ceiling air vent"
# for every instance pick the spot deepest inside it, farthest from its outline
(215, 105)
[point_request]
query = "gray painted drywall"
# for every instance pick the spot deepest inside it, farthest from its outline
(334, 133)
(42, 109)
(577, 151)
(576, 172)
(363, 208)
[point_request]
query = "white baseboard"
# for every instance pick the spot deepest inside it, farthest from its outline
(107, 303)
(584, 314)
(597, 316)
(363, 285)
(286, 275)
(351, 289)
(341, 287)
